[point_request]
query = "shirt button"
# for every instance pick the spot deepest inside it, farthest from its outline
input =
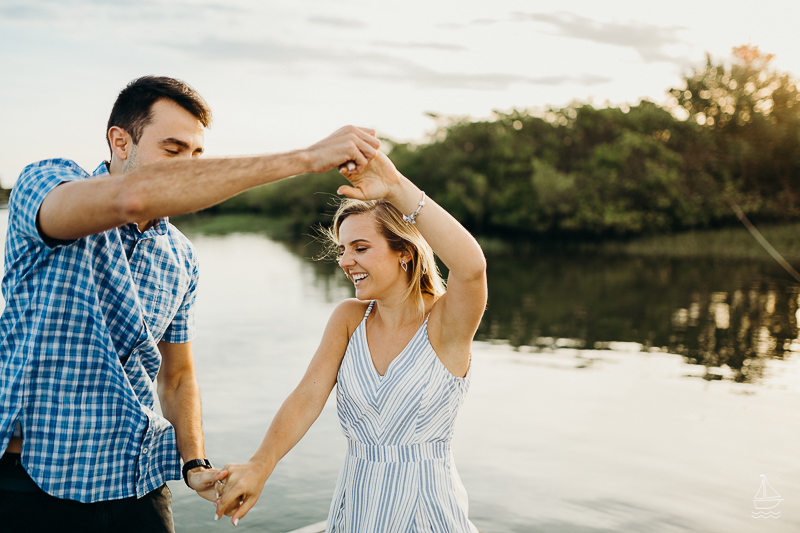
(145, 450)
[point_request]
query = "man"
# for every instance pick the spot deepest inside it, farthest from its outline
(100, 293)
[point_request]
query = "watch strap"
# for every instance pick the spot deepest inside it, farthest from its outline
(194, 463)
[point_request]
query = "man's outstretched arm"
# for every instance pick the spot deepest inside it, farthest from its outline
(77, 209)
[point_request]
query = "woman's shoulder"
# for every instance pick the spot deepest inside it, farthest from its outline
(349, 313)
(352, 306)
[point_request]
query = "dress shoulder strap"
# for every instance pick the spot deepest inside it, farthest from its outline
(369, 309)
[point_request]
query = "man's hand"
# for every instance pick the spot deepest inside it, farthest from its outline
(349, 144)
(202, 481)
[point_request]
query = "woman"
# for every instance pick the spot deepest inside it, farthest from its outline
(400, 354)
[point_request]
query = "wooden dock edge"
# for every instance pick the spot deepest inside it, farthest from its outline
(319, 527)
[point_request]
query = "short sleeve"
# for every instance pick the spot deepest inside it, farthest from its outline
(30, 190)
(182, 327)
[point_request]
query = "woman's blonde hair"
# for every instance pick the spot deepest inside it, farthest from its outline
(423, 274)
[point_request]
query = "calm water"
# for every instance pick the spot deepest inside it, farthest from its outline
(555, 435)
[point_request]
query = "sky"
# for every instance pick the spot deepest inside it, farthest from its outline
(282, 75)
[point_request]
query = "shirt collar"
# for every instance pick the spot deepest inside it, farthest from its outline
(102, 168)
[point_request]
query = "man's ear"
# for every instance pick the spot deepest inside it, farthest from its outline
(120, 141)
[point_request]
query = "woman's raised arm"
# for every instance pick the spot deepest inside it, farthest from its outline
(453, 325)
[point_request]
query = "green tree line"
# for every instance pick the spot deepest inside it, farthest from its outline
(731, 135)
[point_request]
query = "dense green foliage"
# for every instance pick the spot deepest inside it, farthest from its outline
(299, 202)
(585, 171)
(576, 170)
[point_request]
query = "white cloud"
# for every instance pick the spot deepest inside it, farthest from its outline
(649, 40)
(369, 66)
(338, 22)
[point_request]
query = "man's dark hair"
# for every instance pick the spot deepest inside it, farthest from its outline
(133, 109)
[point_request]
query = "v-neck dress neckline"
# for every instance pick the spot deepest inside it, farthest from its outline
(396, 357)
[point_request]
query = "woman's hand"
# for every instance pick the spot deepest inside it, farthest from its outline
(241, 489)
(379, 179)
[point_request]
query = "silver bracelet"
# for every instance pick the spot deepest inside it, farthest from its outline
(412, 217)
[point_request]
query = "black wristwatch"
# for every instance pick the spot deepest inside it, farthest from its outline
(194, 463)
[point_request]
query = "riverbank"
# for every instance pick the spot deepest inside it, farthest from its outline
(224, 224)
(732, 242)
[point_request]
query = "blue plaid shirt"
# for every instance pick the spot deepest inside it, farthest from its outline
(78, 346)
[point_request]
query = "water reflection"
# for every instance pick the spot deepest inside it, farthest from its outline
(739, 329)
(714, 313)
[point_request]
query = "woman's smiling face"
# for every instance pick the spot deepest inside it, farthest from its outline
(366, 258)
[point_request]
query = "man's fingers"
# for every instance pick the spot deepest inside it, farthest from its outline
(360, 162)
(366, 144)
(210, 475)
(367, 149)
(370, 137)
(204, 478)
(359, 151)
(358, 145)
(368, 134)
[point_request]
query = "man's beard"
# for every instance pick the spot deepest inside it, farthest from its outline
(132, 162)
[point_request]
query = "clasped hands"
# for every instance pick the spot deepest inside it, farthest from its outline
(355, 152)
(237, 488)
(233, 489)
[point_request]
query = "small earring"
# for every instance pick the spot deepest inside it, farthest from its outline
(404, 265)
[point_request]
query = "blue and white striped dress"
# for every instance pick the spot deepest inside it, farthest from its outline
(398, 474)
